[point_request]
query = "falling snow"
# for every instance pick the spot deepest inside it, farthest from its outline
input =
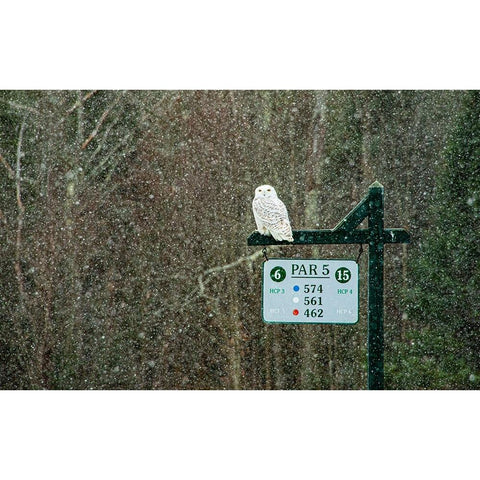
(124, 217)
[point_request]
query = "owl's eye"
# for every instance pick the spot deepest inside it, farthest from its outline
(269, 189)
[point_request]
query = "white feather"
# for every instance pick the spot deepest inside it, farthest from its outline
(270, 214)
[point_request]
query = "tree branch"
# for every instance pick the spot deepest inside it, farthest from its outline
(223, 268)
(81, 101)
(21, 212)
(11, 173)
(100, 122)
(19, 106)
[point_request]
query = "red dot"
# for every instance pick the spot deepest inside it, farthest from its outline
(295, 312)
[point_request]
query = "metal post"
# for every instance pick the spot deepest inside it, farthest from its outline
(346, 232)
(375, 288)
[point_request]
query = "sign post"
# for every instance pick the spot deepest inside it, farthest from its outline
(346, 232)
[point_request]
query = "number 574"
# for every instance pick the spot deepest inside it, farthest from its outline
(311, 288)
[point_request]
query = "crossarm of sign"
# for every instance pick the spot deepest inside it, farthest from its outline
(355, 217)
(324, 237)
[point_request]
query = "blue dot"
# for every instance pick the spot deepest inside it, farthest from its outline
(296, 288)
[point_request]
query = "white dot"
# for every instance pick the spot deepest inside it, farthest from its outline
(295, 299)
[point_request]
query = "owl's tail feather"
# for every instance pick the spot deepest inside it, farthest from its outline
(280, 236)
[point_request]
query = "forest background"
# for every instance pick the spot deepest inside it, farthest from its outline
(123, 224)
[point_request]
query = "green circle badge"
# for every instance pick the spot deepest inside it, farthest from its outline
(278, 274)
(343, 275)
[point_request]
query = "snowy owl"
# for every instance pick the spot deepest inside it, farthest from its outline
(271, 214)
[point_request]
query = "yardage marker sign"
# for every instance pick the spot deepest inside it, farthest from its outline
(298, 290)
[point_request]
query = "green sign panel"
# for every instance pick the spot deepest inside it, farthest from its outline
(310, 291)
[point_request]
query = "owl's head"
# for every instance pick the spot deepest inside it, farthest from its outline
(265, 191)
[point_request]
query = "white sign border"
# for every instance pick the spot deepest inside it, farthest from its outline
(286, 322)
